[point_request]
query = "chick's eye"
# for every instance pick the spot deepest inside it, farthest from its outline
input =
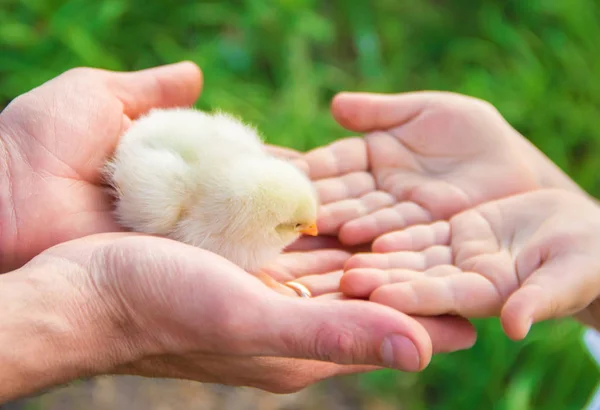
(298, 225)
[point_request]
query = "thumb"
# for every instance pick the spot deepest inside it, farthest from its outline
(365, 112)
(555, 290)
(346, 332)
(174, 85)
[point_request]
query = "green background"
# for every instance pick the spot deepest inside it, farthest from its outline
(278, 64)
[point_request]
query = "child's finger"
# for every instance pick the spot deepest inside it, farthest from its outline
(334, 215)
(433, 256)
(360, 283)
(414, 238)
(369, 227)
(442, 291)
(472, 235)
(555, 290)
(338, 158)
(294, 265)
(352, 185)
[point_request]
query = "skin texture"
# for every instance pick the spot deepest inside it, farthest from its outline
(426, 156)
(130, 304)
(55, 139)
(527, 258)
(55, 160)
(123, 303)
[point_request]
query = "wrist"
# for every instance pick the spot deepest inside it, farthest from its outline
(549, 174)
(53, 332)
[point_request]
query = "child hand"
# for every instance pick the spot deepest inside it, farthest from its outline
(526, 258)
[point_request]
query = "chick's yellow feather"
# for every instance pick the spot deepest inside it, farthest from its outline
(206, 180)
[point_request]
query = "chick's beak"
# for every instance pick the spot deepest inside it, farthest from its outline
(310, 230)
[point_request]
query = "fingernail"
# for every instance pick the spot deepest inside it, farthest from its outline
(399, 352)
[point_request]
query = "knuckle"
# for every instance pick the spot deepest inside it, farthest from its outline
(335, 345)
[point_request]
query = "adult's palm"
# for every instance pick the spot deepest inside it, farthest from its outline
(135, 304)
(55, 140)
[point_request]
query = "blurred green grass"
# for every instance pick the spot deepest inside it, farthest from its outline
(278, 64)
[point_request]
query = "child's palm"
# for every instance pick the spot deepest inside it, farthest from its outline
(526, 258)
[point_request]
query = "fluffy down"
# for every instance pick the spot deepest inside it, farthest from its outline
(206, 180)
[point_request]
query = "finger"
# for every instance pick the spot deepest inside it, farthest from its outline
(463, 294)
(323, 284)
(338, 158)
(358, 335)
(274, 284)
(420, 261)
(317, 285)
(414, 238)
(290, 266)
(352, 185)
(283, 375)
(283, 152)
(293, 156)
(555, 290)
(334, 296)
(360, 283)
(364, 112)
(441, 199)
(333, 216)
(472, 235)
(448, 333)
(301, 164)
(174, 85)
(369, 227)
(340, 331)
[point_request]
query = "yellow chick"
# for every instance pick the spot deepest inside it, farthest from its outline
(206, 180)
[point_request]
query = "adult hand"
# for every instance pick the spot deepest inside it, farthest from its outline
(128, 303)
(426, 157)
(54, 141)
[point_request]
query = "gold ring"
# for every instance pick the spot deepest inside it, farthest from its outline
(300, 289)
